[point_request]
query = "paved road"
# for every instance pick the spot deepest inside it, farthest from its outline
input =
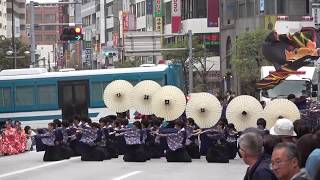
(29, 166)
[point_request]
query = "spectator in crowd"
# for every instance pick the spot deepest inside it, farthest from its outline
(306, 144)
(313, 161)
(251, 150)
(21, 138)
(30, 138)
(261, 125)
(11, 141)
(301, 127)
(284, 129)
(285, 163)
(292, 98)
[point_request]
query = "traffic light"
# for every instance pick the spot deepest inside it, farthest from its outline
(71, 34)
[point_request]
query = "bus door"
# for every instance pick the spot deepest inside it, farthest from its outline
(73, 98)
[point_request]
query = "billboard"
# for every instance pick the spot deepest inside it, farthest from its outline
(176, 16)
(149, 7)
(213, 13)
(158, 24)
(158, 8)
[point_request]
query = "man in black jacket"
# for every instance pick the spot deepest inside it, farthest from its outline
(251, 150)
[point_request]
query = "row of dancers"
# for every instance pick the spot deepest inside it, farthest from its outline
(178, 141)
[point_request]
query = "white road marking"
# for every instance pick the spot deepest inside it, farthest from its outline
(36, 167)
(127, 175)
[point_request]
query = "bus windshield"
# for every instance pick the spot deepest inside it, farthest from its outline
(285, 88)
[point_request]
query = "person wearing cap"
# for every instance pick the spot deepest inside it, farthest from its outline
(285, 163)
(251, 150)
(284, 128)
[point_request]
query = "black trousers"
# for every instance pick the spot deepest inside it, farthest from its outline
(179, 155)
(217, 153)
(112, 149)
(193, 151)
(52, 153)
(135, 153)
(156, 151)
(91, 153)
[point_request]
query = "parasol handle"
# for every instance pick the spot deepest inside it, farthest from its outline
(166, 102)
(244, 113)
(118, 95)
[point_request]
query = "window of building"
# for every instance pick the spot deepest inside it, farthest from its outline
(21, 5)
(143, 8)
(109, 9)
(242, 9)
(49, 17)
(24, 95)
(49, 28)
(133, 9)
(37, 17)
(0, 25)
(138, 9)
(47, 94)
(50, 37)
(86, 21)
(5, 97)
(269, 7)
(167, 18)
(281, 6)
(199, 9)
(94, 18)
(38, 38)
(0, 13)
(187, 8)
(22, 27)
(250, 8)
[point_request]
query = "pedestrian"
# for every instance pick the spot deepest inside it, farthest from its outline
(251, 150)
(285, 163)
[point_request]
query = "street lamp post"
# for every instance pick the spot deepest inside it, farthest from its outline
(13, 36)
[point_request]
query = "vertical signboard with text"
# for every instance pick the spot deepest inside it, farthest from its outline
(176, 16)
(158, 13)
(149, 15)
(213, 13)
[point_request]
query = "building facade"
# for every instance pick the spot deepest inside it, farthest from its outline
(3, 18)
(19, 14)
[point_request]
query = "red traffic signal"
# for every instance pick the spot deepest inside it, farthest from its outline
(71, 34)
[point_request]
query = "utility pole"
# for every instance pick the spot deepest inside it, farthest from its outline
(13, 36)
(190, 62)
(49, 61)
(32, 36)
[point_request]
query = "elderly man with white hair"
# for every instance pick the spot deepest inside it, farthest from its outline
(251, 150)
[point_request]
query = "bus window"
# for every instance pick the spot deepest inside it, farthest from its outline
(97, 89)
(47, 94)
(24, 95)
(5, 97)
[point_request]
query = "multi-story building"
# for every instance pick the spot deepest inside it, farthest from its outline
(3, 18)
(316, 12)
(46, 36)
(100, 22)
(247, 15)
(19, 7)
(45, 14)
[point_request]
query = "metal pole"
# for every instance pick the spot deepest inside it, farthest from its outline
(32, 36)
(12, 38)
(15, 56)
(190, 62)
(49, 61)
